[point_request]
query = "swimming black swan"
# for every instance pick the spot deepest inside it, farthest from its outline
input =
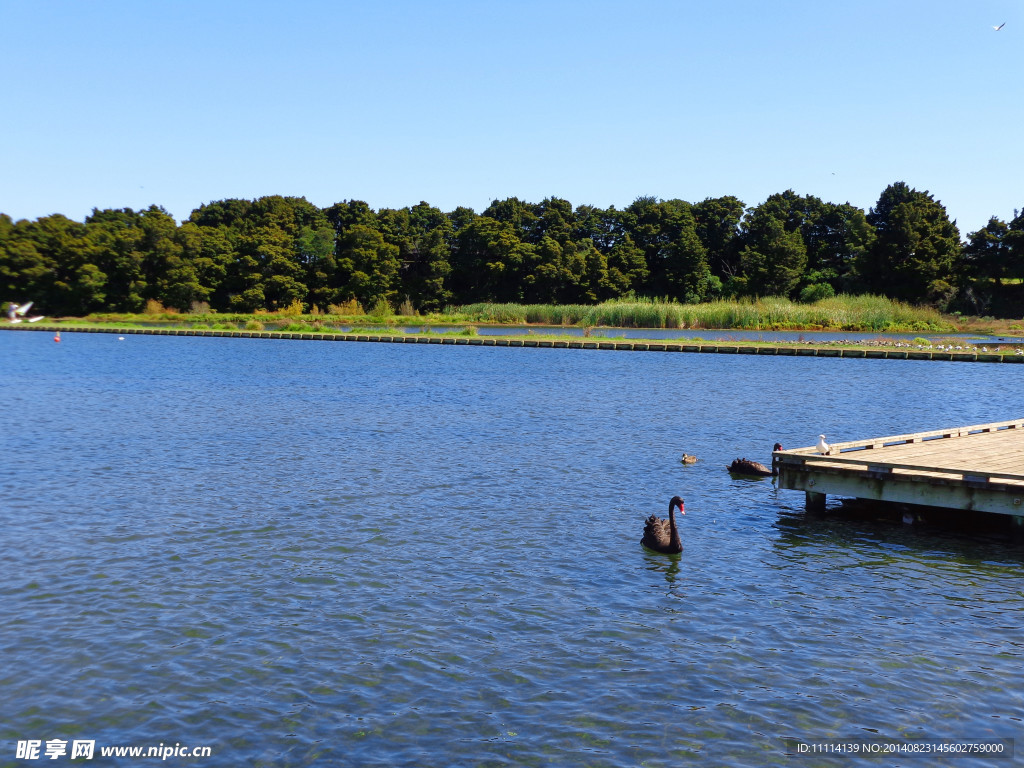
(748, 467)
(662, 535)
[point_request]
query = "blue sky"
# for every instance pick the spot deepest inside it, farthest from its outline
(112, 104)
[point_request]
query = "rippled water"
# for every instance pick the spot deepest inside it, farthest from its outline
(406, 555)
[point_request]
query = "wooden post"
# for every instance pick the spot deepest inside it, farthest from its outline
(815, 501)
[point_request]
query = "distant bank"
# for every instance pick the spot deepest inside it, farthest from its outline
(1000, 354)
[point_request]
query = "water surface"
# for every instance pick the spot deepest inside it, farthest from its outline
(308, 553)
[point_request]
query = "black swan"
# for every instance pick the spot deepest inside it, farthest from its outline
(662, 535)
(749, 467)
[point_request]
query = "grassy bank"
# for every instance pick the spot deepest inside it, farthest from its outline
(840, 313)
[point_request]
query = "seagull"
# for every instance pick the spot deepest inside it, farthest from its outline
(15, 313)
(999, 27)
(823, 447)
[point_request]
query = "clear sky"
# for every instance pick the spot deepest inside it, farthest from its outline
(113, 104)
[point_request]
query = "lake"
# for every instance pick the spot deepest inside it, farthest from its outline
(300, 553)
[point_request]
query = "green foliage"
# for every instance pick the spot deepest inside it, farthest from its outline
(367, 266)
(276, 253)
(842, 312)
(775, 255)
(917, 250)
(382, 310)
(816, 292)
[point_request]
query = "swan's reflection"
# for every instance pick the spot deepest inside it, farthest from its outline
(668, 565)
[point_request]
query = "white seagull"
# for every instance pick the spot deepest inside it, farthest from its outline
(999, 27)
(15, 313)
(823, 447)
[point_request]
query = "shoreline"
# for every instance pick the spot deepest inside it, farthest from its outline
(735, 347)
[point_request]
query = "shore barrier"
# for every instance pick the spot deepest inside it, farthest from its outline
(594, 344)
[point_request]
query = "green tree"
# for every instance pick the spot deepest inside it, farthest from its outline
(834, 237)
(426, 260)
(315, 248)
(627, 268)
(718, 227)
(987, 253)
(207, 253)
(666, 231)
(119, 251)
(367, 267)
(1014, 240)
(773, 258)
(837, 237)
(490, 261)
(917, 250)
(23, 268)
(348, 213)
(70, 282)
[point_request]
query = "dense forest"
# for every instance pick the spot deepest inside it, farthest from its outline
(284, 252)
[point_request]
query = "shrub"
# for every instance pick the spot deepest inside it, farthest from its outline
(816, 292)
(254, 325)
(382, 309)
(295, 309)
(346, 308)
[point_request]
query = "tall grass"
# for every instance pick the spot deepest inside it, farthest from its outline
(843, 312)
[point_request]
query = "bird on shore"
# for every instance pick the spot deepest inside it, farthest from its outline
(823, 447)
(750, 467)
(663, 535)
(688, 458)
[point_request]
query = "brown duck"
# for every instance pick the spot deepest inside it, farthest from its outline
(662, 535)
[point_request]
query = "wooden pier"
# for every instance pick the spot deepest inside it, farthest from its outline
(979, 468)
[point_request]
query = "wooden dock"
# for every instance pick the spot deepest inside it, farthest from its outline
(979, 468)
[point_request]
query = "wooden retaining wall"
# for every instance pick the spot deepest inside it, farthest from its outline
(496, 341)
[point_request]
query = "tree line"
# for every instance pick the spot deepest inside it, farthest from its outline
(282, 252)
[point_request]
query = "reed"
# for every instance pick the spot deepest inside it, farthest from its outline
(842, 312)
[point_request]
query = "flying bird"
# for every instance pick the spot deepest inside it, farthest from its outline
(15, 313)
(999, 27)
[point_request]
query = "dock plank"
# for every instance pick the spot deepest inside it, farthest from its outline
(975, 467)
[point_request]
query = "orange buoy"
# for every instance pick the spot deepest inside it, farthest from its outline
(57, 337)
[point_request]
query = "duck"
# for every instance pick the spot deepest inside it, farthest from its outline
(688, 458)
(663, 535)
(751, 467)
